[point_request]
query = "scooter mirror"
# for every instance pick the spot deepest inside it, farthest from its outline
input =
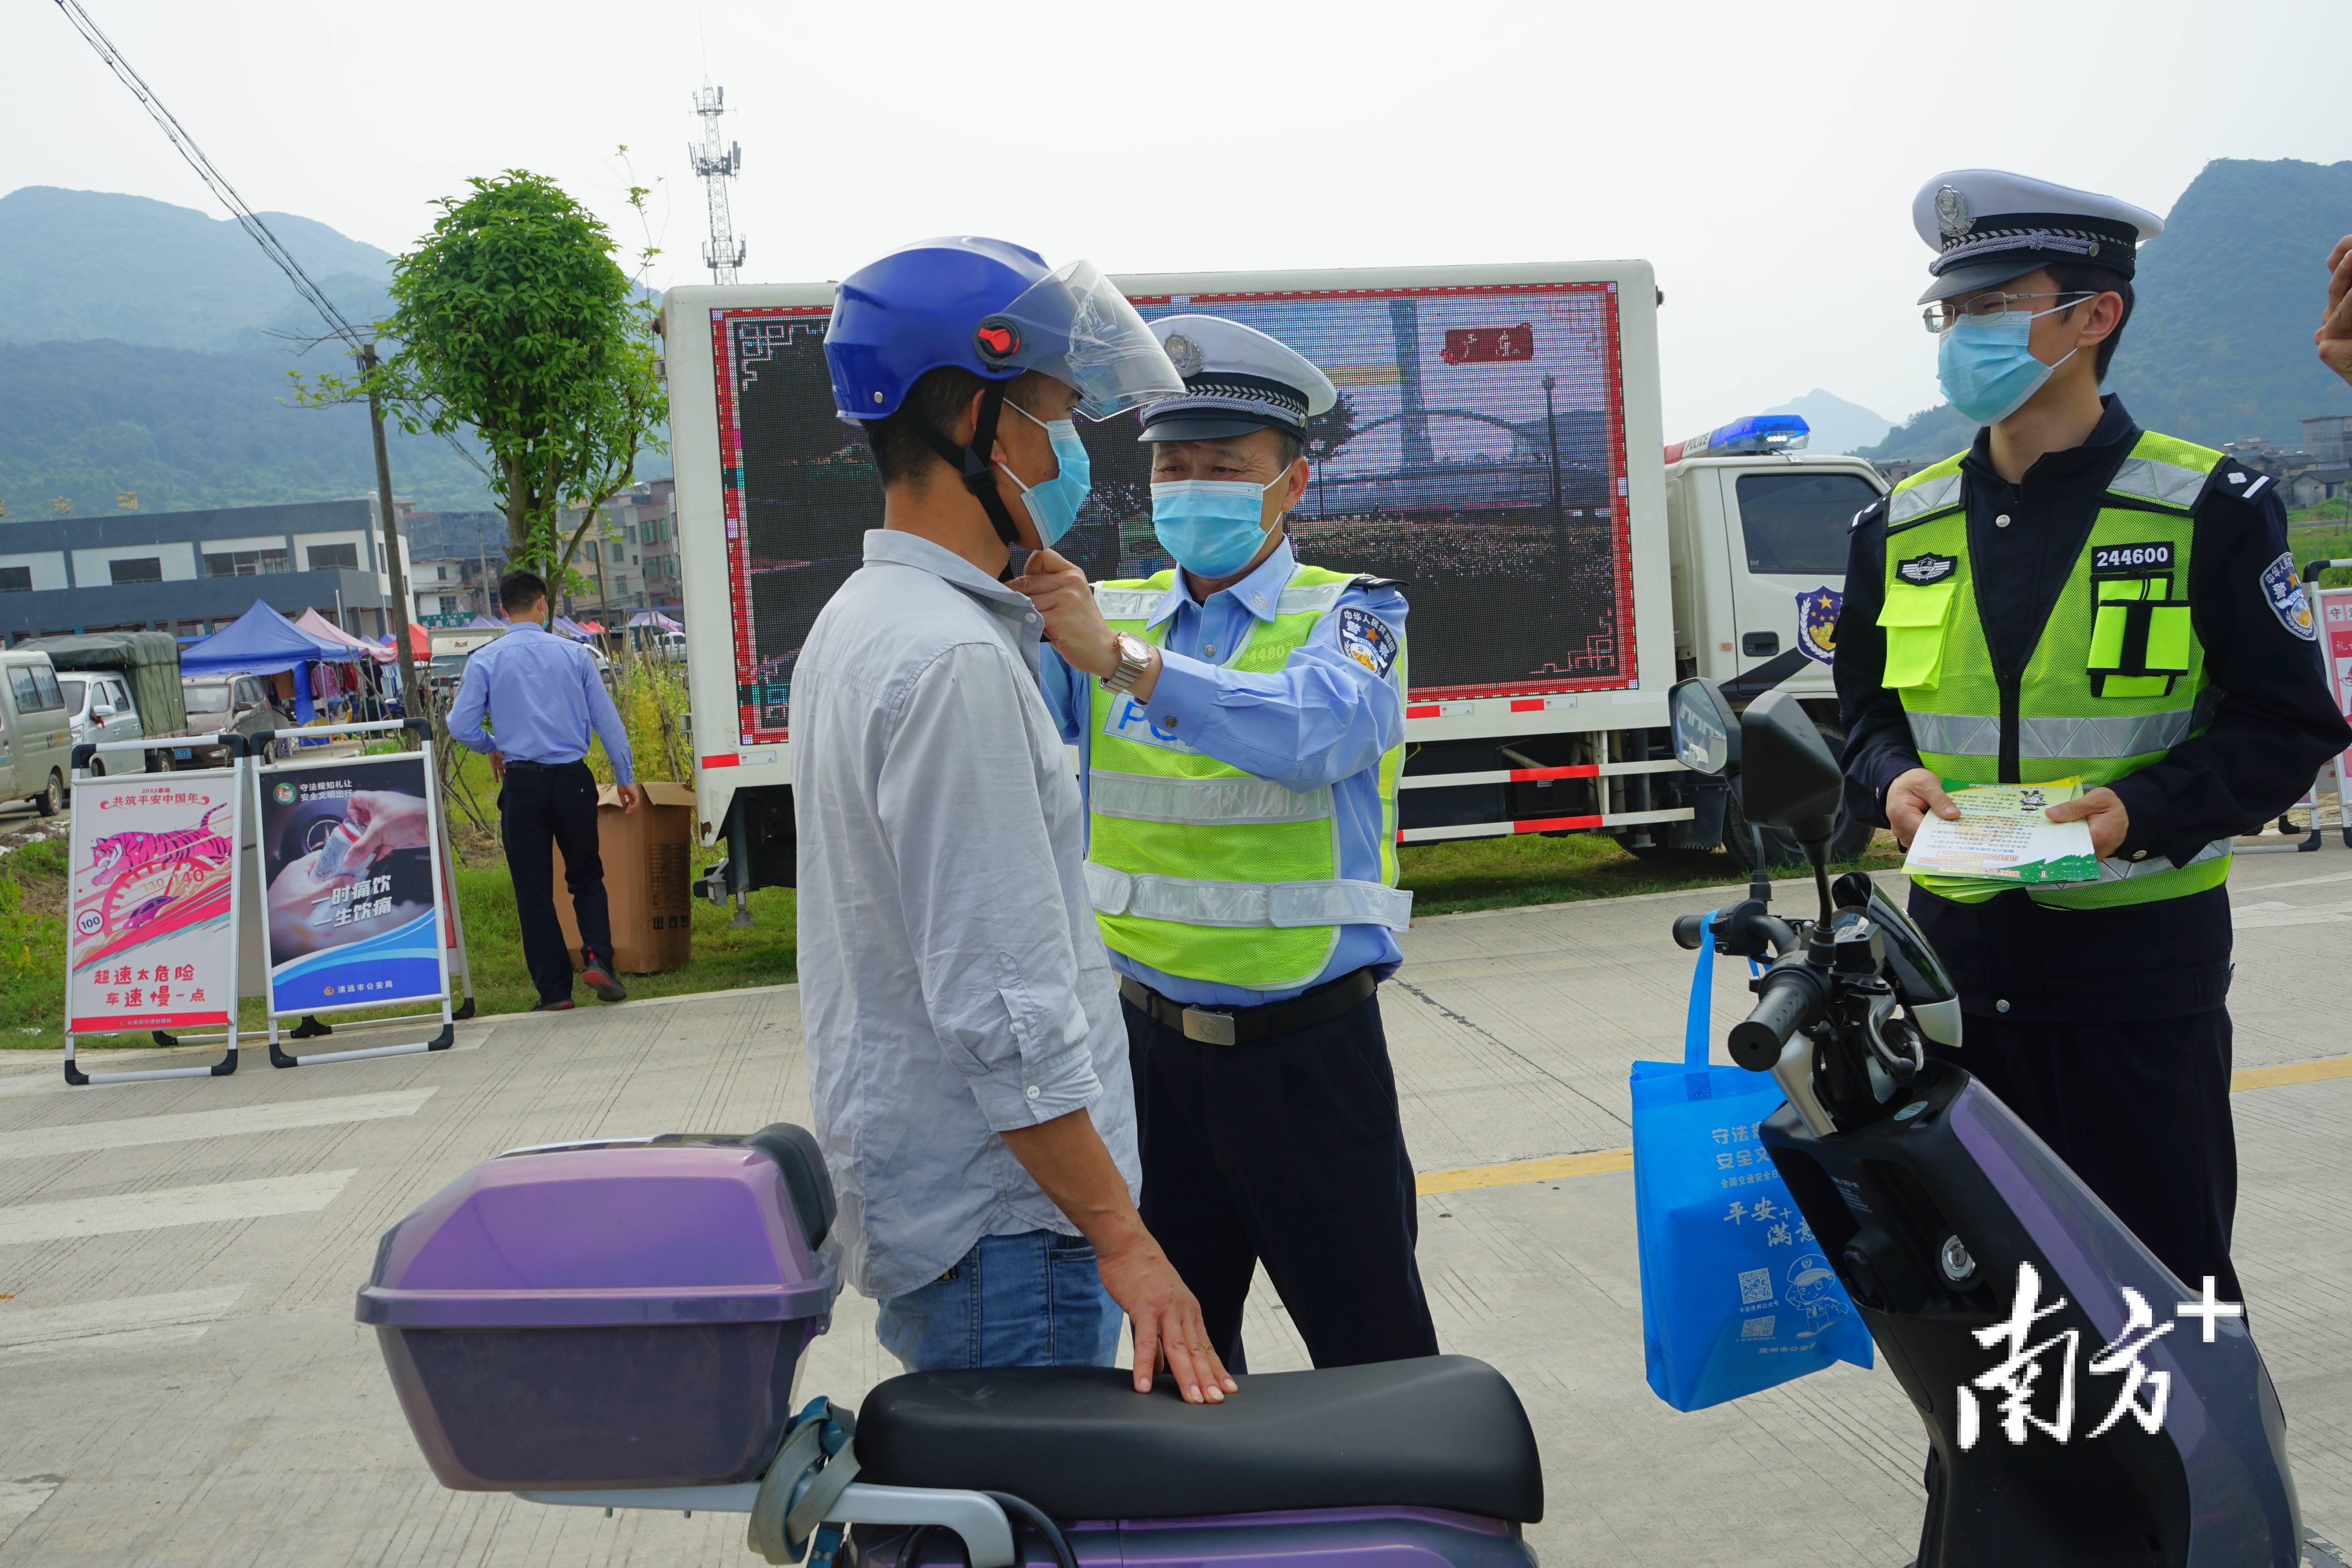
(1706, 740)
(1788, 778)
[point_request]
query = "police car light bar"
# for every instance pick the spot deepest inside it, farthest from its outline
(1755, 433)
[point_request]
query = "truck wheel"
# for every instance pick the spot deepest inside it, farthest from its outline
(51, 800)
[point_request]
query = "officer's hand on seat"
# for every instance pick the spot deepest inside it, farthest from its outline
(1911, 798)
(1074, 624)
(2103, 809)
(1166, 1318)
(2335, 334)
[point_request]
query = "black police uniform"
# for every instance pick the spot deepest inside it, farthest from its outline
(2105, 1029)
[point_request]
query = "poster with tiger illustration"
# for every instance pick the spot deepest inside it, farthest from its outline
(151, 925)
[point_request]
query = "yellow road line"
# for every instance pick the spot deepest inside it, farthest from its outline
(1601, 1161)
(1519, 1172)
(2292, 1072)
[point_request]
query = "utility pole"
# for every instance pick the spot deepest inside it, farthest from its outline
(410, 695)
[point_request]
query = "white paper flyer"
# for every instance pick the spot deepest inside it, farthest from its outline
(2001, 835)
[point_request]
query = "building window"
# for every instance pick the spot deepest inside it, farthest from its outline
(145, 569)
(244, 563)
(334, 557)
(448, 604)
(16, 579)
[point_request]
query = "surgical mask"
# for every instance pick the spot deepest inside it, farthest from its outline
(1212, 527)
(1985, 368)
(1054, 505)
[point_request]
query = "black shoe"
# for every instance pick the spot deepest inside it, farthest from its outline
(563, 1006)
(600, 981)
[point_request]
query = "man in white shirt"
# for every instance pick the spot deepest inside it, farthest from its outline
(967, 1059)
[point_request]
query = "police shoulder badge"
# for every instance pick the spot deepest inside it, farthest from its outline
(1923, 570)
(1817, 614)
(1367, 639)
(2288, 602)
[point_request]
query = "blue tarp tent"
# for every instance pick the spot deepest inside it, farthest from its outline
(263, 642)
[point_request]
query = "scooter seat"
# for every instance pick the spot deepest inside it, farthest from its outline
(1079, 1442)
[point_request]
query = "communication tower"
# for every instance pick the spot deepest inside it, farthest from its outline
(722, 252)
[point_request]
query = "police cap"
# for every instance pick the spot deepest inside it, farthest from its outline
(1988, 227)
(1236, 380)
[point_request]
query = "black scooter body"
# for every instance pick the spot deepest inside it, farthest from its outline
(2210, 1489)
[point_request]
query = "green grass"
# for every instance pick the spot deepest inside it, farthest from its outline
(1457, 875)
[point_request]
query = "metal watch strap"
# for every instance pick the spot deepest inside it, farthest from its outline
(1131, 665)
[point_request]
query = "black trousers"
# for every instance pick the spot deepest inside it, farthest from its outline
(538, 808)
(1288, 1151)
(2140, 1111)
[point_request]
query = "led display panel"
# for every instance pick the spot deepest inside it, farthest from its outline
(1476, 455)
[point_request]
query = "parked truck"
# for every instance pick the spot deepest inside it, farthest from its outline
(122, 686)
(1496, 446)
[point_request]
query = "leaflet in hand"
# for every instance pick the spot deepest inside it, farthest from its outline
(2001, 835)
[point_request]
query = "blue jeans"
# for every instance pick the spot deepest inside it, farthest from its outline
(1030, 1299)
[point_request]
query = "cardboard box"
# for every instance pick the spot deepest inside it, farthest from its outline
(647, 856)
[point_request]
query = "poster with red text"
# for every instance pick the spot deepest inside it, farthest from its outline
(151, 940)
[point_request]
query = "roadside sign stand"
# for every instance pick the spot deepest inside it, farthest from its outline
(186, 848)
(288, 776)
(2331, 610)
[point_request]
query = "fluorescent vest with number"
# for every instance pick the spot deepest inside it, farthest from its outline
(2116, 680)
(1198, 869)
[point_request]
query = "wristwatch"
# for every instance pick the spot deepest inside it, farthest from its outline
(1134, 659)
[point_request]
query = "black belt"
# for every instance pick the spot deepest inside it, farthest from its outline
(1242, 1025)
(544, 767)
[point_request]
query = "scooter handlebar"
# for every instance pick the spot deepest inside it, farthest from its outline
(1690, 931)
(1791, 1000)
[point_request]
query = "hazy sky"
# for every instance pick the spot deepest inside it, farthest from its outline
(1762, 157)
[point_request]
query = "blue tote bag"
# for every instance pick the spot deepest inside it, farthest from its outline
(1737, 1295)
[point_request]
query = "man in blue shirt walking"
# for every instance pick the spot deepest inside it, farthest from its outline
(542, 696)
(1242, 722)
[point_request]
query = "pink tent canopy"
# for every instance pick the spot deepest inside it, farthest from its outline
(319, 626)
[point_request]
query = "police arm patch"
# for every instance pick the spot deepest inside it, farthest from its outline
(2283, 592)
(1367, 639)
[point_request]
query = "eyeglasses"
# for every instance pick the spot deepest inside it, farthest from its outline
(1942, 316)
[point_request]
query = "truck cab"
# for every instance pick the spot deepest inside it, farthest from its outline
(1757, 529)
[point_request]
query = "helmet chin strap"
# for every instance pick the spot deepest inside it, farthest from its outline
(979, 478)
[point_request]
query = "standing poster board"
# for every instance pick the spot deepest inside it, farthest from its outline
(152, 910)
(352, 885)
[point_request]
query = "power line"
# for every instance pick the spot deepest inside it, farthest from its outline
(247, 219)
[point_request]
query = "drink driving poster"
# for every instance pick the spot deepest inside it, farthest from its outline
(153, 939)
(348, 884)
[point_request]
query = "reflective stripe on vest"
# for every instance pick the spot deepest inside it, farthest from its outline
(2116, 869)
(1145, 797)
(1191, 901)
(2166, 484)
(1919, 499)
(1137, 603)
(1977, 735)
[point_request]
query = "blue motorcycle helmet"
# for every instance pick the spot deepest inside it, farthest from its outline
(996, 309)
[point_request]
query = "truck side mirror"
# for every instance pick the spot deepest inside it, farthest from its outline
(1789, 779)
(1706, 739)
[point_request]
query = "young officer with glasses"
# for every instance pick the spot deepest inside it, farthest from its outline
(1242, 721)
(2076, 597)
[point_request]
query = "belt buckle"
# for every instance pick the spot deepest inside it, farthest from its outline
(1211, 1028)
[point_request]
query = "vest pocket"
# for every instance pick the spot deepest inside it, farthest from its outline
(2141, 639)
(1913, 619)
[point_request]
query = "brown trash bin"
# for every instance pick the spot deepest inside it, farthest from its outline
(647, 854)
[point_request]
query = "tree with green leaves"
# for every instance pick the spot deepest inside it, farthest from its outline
(512, 321)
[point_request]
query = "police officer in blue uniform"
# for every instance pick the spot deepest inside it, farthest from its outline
(2076, 595)
(1242, 721)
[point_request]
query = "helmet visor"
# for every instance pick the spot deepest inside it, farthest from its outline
(1076, 327)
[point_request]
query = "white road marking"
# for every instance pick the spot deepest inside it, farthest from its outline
(171, 1207)
(19, 1499)
(182, 1127)
(130, 1322)
(2272, 913)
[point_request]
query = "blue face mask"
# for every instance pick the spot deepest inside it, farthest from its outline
(1054, 505)
(1985, 368)
(1212, 527)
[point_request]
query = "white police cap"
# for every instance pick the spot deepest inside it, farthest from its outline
(1236, 380)
(1988, 227)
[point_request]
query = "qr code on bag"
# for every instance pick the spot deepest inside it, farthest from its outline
(1757, 1328)
(1755, 1286)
